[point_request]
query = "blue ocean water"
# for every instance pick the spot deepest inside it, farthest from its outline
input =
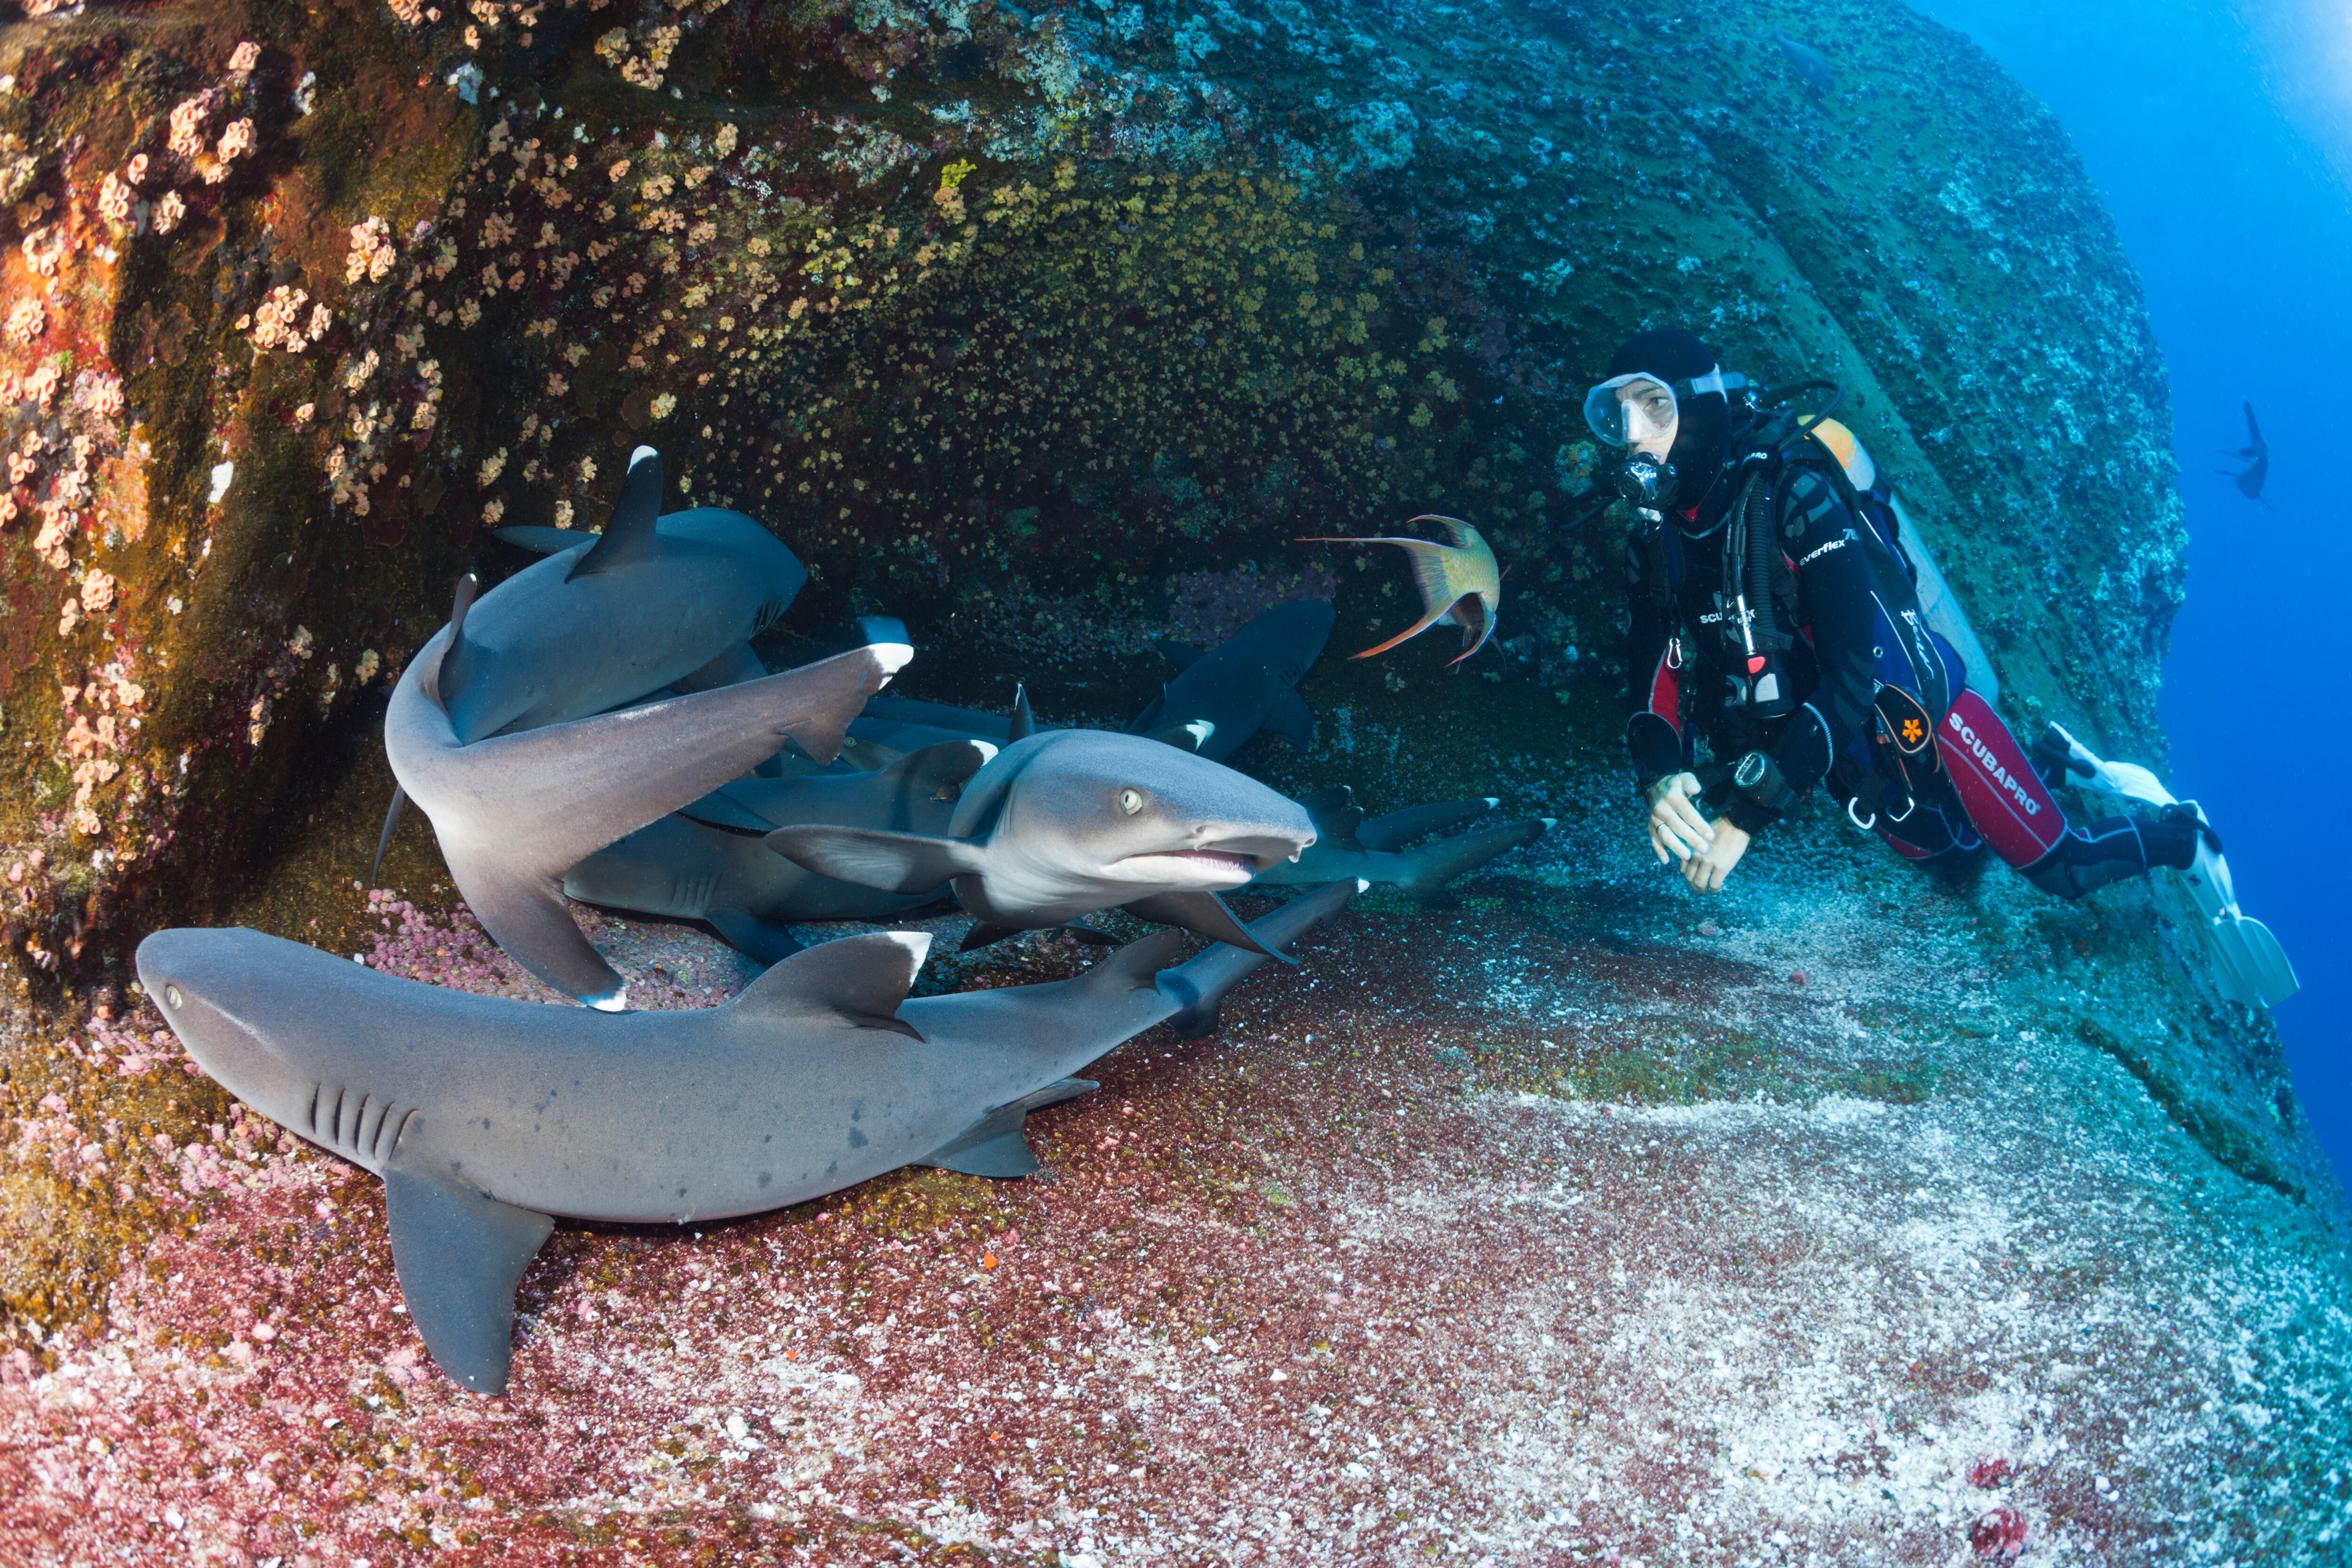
(2222, 138)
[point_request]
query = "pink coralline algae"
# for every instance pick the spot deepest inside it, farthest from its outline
(1990, 1470)
(1998, 1534)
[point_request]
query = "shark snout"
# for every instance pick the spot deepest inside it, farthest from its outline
(1216, 856)
(198, 980)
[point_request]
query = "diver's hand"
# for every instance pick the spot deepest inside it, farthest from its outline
(1706, 870)
(1678, 831)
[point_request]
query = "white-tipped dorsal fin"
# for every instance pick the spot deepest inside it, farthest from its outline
(629, 534)
(861, 980)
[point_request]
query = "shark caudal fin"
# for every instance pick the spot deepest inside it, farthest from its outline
(458, 1254)
(1421, 874)
(629, 536)
(1398, 828)
(1196, 987)
(996, 1145)
(860, 980)
(876, 857)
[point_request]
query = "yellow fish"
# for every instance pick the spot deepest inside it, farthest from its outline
(1458, 582)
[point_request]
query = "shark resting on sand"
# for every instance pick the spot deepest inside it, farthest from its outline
(1222, 698)
(487, 1118)
(708, 861)
(1349, 844)
(1067, 823)
(652, 602)
(514, 812)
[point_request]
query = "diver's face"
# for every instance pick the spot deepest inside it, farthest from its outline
(1651, 417)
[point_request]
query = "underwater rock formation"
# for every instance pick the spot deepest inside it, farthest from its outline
(1049, 330)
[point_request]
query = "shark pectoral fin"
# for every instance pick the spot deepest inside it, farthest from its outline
(1182, 655)
(762, 940)
(1089, 935)
(458, 1254)
(983, 934)
(876, 857)
(720, 809)
(1205, 914)
(629, 535)
(738, 664)
(1335, 816)
(1188, 737)
(384, 839)
(860, 980)
(1291, 719)
(996, 1145)
(544, 540)
(526, 917)
(771, 767)
(1024, 722)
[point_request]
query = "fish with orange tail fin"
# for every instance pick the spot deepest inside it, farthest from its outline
(1459, 582)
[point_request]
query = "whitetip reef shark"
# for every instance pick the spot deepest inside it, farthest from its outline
(487, 1118)
(1067, 823)
(1349, 845)
(1222, 698)
(514, 812)
(709, 860)
(652, 602)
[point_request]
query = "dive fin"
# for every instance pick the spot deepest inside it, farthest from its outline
(1205, 914)
(629, 536)
(1193, 989)
(1182, 655)
(860, 980)
(1421, 874)
(1023, 723)
(996, 1145)
(763, 941)
(384, 839)
(1291, 719)
(1398, 828)
(458, 1254)
(876, 858)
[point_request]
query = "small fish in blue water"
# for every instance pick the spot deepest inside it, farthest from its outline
(1807, 63)
(2256, 455)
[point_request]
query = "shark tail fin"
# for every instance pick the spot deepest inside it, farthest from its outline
(859, 980)
(629, 534)
(1424, 872)
(384, 839)
(1197, 986)
(997, 1144)
(458, 1254)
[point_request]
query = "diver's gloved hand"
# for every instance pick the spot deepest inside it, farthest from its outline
(1677, 831)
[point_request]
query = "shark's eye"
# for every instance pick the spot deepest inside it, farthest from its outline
(171, 995)
(1130, 801)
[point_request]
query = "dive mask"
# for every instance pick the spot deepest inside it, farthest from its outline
(1650, 407)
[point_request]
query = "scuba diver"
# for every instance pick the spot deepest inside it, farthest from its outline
(1777, 603)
